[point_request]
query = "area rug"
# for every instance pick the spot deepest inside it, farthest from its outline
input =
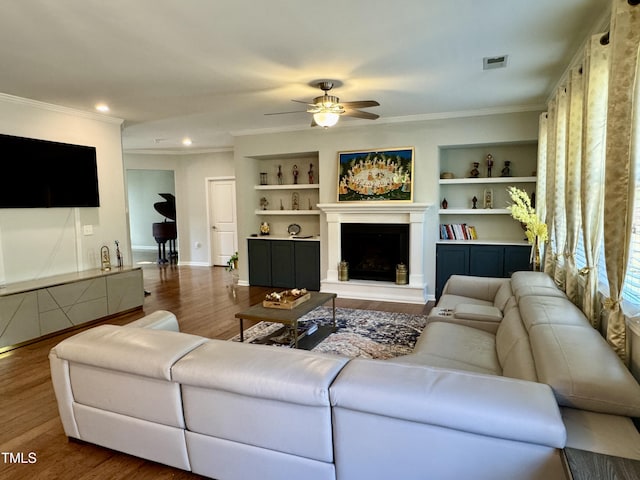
(360, 333)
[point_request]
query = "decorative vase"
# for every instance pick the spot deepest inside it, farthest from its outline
(535, 255)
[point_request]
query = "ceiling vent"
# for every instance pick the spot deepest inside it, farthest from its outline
(490, 63)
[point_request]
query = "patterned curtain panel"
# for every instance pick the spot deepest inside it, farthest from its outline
(572, 181)
(559, 152)
(541, 185)
(621, 160)
(549, 199)
(596, 73)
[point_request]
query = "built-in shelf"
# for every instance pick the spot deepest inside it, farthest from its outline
(287, 212)
(484, 180)
(483, 242)
(474, 211)
(299, 186)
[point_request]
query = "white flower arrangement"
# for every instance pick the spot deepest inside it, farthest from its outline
(522, 211)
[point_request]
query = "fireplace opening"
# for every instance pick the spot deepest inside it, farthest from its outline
(373, 250)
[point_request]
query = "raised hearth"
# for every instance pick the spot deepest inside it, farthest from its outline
(412, 214)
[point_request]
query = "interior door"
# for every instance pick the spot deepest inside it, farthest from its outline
(222, 220)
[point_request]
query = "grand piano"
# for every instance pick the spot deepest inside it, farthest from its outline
(166, 231)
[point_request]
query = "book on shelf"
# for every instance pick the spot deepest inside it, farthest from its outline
(458, 231)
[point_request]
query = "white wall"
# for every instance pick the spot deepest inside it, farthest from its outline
(426, 136)
(37, 243)
(191, 172)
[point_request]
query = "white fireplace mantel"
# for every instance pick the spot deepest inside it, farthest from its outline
(413, 214)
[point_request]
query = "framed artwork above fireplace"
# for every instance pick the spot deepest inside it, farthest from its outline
(376, 175)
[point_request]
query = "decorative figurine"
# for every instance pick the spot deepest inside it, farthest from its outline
(279, 174)
(281, 205)
(488, 198)
(264, 228)
(489, 164)
(506, 170)
(264, 203)
(444, 203)
(474, 201)
(118, 254)
(310, 172)
(295, 174)
(105, 257)
(295, 201)
(475, 173)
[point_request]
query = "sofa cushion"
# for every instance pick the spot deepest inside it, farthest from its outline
(461, 345)
(513, 348)
(526, 284)
(538, 310)
(266, 387)
(503, 295)
(583, 370)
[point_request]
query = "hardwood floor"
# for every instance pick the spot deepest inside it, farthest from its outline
(32, 442)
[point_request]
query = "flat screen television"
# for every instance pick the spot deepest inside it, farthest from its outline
(43, 174)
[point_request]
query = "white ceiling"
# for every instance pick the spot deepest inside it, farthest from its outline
(209, 68)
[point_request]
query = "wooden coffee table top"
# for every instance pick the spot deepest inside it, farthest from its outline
(259, 313)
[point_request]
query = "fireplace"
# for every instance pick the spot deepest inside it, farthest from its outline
(373, 250)
(411, 216)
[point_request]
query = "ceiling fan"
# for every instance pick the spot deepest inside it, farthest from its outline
(327, 109)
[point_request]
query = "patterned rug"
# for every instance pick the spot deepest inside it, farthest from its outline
(360, 333)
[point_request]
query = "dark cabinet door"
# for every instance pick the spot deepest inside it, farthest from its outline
(450, 260)
(259, 262)
(486, 260)
(282, 264)
(516, 258)
(307, 260)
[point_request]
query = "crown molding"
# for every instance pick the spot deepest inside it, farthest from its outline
(6, 98)
(402, 119)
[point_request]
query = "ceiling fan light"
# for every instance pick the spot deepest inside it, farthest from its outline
(326, 119)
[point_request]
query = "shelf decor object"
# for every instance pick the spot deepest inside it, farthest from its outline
(376, 175)
(536, 230)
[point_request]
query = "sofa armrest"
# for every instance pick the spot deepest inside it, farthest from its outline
(481, 288)
(486, 405)
(158, 320)
(482, 313)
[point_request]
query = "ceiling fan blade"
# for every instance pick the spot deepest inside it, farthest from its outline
(360, 114)
(313, 122)
(360, 104)
(284, 113)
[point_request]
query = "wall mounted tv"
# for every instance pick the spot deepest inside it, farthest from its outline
(40, 173)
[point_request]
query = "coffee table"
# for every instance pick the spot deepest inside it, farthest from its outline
(258, 313)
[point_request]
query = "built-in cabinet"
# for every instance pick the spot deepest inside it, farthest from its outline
(481, 260)
(29, 310)
(288, 191)
(284, 263)
(490, 217)
(479, 199)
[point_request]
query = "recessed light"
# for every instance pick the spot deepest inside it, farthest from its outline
(102, 107)
(186, 141)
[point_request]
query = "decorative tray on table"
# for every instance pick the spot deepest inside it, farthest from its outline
(286, 299)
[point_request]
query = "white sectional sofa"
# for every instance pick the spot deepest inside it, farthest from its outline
(235, 411)
(526, 328)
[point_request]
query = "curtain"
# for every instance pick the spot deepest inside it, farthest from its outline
(621, 160)
(549, 198)
(556, 175)
(541, 185)
(572, 181)
(596, 73)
